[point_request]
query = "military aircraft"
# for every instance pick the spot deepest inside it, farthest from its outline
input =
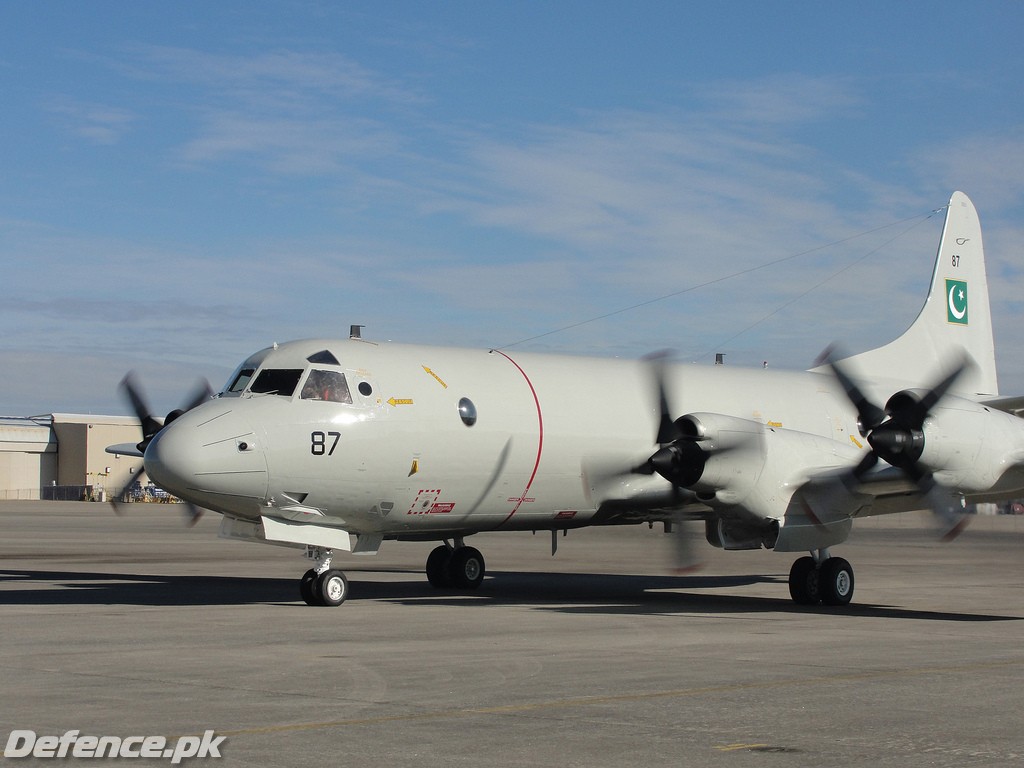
(339, 445)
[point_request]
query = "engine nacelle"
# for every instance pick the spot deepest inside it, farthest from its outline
(734, 455)
(758, 478)
(752, 472)
(969, 446)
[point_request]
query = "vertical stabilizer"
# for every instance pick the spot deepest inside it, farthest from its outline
(955, 316)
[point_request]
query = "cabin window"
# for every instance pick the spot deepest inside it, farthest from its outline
(277, 381)
(326, 385)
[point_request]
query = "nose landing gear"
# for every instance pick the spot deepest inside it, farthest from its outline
(323, 585)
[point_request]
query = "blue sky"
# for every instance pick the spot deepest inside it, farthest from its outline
(183, 184)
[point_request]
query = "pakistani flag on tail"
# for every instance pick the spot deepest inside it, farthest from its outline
(956, 301)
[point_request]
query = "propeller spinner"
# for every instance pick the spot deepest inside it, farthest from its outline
(151, 426)
(896, 436)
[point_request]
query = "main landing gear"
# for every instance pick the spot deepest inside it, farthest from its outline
(820, 578)
(458, 567)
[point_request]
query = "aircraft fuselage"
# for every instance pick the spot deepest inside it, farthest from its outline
(449, 440)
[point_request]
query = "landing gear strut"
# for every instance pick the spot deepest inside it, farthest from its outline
(821, 578)
(322, 585)
(458, 567)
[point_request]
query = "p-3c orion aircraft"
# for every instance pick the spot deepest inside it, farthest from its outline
(330, 445)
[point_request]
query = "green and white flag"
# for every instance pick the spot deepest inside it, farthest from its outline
(956, 301)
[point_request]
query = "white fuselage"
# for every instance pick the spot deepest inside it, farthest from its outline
(553, 437)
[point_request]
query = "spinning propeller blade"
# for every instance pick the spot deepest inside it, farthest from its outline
(896, 436)
(132, 389)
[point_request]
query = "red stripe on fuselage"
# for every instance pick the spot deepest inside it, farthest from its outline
(540, 440)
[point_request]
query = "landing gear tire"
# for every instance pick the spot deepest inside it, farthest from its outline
(330, 588)
(437, 567)
(805, 581)
(835, 581)
(306, 587)
(466, 568)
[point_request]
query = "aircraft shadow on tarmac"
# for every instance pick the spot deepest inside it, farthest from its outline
(570, 593)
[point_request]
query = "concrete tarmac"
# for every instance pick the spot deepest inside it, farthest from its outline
(138, 625)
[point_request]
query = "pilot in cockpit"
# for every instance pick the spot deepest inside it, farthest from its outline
(326, 385)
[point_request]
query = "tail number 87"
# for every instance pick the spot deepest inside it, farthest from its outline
(323, 443)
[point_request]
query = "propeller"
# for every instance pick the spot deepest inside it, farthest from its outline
(680, 461)
(896, 436)
(151, 426)
(668, 431)
(685, 557)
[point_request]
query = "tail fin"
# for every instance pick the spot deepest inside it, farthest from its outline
(955, 316)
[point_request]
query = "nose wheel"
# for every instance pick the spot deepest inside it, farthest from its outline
(323, 585)
(326, 589)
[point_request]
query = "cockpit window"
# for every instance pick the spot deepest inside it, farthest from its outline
(326, 385)
(323, 357)
(243, 373)
(241, 379)
(274, 381)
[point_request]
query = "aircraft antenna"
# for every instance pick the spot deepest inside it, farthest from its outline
(723, 278)
(822, 282)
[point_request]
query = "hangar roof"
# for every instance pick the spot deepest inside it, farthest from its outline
(33, 434)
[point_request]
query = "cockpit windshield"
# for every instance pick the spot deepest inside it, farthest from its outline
(276, 381)
(326, 385)
(240, 380)
(243, 373)
(285, 371)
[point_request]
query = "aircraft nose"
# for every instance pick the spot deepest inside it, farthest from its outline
(210, 456)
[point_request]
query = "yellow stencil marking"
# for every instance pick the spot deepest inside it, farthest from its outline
(439, 379)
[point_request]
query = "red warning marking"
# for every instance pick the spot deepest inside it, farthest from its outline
(425, 499)
(566, 514)
(426, 503)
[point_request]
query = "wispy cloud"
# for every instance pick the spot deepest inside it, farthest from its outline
(780, 98)
(280, 77)
(294, 113)
(290, 146)
(97, 123)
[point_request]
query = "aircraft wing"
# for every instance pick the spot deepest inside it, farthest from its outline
(883, 491)
(124, 449)
(1013, 404)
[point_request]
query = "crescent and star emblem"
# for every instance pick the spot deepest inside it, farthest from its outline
(957, 301)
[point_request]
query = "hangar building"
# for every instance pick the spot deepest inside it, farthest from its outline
(63, 456)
